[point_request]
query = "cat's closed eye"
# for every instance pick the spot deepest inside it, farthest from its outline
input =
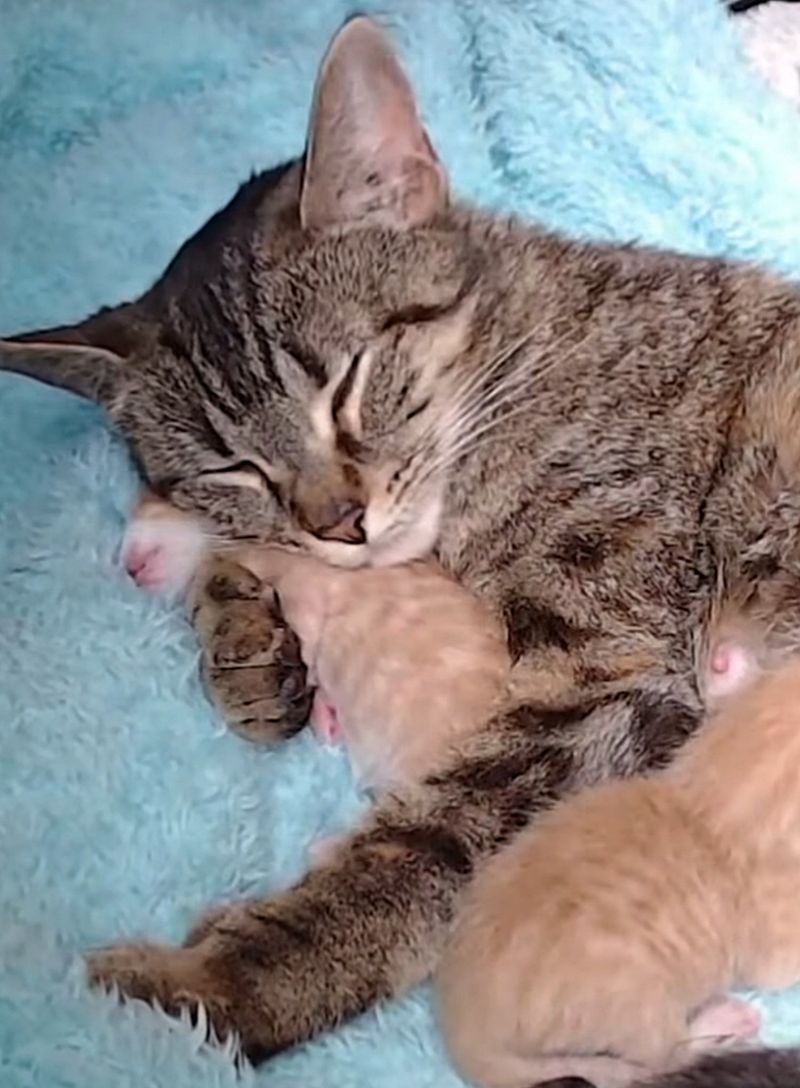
(244, 473)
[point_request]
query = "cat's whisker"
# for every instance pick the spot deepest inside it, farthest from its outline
(487, 416)
(524, 371)
(468, 394)
(496, 399)
(525, 377)
(479, 377)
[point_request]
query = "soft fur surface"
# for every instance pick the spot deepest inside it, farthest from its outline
(125, 806)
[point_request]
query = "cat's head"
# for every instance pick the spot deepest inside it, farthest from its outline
(308, 387)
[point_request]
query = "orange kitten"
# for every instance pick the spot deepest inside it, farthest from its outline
(598, 944)
(405, 660)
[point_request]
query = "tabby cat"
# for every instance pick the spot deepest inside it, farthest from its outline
(602, 442)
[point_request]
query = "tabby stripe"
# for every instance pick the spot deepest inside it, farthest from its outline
(266, 357)
(345, 386)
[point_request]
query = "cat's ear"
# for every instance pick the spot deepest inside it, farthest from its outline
(91, 372)
(368, 158)
(88, 358)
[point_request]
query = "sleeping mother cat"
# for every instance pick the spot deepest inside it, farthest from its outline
(602, 442)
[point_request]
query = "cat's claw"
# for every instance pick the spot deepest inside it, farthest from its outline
(251, 664)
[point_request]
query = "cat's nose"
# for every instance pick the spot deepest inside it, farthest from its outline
(341, 520)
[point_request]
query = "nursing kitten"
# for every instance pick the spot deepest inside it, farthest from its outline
(405, 662)
(597, 440)
(598, 944)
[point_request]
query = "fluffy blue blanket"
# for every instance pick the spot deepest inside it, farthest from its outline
(124, 805)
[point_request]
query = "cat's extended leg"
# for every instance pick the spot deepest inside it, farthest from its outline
(251, 660)
(372, 923)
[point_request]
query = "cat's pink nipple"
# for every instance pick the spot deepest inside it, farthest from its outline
(720, 662)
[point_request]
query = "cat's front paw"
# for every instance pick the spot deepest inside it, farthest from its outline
(252, 666)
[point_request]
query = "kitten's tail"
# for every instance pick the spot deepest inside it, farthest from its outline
(737, 1069)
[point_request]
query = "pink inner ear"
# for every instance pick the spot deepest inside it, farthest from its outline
(365, 125)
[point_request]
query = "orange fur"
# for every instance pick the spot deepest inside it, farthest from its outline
(411, 660)
(585, 948)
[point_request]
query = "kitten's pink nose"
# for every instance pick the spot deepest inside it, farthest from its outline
(343, 521)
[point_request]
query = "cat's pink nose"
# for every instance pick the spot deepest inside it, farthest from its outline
(343, 521)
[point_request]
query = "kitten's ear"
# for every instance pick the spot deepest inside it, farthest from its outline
(368, 159)
(91, 372)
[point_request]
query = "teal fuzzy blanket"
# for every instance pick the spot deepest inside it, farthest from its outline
(124, 804)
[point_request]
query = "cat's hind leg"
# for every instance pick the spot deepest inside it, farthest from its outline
(373, 922)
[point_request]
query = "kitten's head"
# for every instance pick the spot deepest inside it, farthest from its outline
(307, 387)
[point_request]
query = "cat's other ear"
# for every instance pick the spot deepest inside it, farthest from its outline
(368, 157)
(87, 358)
(91, 372)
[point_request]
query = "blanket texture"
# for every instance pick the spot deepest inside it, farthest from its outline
(125, 806)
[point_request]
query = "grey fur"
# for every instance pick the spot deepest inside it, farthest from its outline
(747, 1069)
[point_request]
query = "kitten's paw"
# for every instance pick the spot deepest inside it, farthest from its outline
(725, 1022)
(162, 553)
(325, 721)
(174, 978)
(252, 664)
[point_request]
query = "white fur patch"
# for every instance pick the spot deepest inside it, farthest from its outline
(415, 541)
(162, 552)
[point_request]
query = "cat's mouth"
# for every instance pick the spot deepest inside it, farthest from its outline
(385, 542)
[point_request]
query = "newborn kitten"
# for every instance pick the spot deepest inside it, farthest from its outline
(405, 660)
(598, 943)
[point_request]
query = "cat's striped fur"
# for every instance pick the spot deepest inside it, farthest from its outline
(601, 441)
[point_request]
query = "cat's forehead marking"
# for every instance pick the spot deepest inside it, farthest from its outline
(348, 414)
(337, 406)
(321, 409)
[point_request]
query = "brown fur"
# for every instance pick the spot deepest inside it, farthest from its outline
(604, 927)
(599, 441)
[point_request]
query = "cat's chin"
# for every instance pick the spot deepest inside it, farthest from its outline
(413, 539)
(338, 555)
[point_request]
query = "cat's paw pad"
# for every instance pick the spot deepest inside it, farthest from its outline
(163, 554)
